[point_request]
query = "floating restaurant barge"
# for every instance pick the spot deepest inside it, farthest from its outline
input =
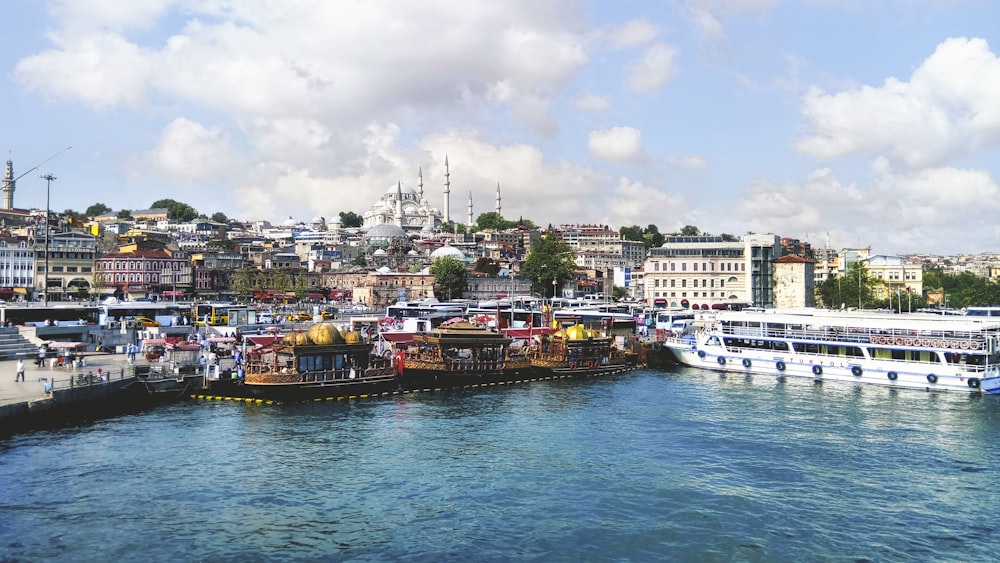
(322, 363)
(915, 351)
(460, 354)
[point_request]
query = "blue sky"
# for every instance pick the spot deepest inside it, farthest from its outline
(849, 122)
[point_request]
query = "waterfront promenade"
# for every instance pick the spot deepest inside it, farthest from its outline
(33, 386)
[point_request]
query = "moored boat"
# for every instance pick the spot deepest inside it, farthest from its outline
(576, 350)
(322, 363)
(916, 351)
(457, 354)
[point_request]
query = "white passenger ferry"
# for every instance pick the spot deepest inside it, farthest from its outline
(916, 351)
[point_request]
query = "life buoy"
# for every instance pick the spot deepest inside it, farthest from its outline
(780, 365)
(974, 382)
(818, 370)
(857, 371)
(398, 363)
(746, 362)
(964, 345)
(572, 364)
(722, 361)
(892, 376)
(701, 353)
(931, 378)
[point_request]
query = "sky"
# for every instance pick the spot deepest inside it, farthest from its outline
(842, 123)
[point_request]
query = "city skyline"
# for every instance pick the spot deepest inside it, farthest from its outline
(868, 122)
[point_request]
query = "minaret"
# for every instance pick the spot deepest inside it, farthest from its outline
(498, 200)
(469, 220)
(8, 186)
(399, 204)
(420, 183)
(447, 192)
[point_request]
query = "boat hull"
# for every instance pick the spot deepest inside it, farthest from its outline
(866, 371)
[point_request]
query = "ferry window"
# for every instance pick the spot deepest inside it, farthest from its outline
(780, 346)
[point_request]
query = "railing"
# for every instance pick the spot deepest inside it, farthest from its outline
(84, 379)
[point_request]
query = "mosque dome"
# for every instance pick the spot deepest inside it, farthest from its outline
(385, 231)
(448, 251)
(289, 222)
(379, 252)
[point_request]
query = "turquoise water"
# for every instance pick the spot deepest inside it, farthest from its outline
(649, 465)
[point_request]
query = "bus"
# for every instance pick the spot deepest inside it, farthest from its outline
(166, 313)
(223, 314)
(671, 319)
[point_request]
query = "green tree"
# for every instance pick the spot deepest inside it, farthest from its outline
(176, 211)
(223, 244)
(244, 283)
(450, 277)
(219, 217)
(549, 259)
(493, 221)
(97, 209)
(488, 266)
(124, 214)
(729, 238)
(301, 285)
(654, 236)
(351, 219)
(618, 293)
(854, 289)
(359, 260)
(632, 233)
(690, 231)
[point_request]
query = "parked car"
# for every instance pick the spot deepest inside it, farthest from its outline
(146, 322)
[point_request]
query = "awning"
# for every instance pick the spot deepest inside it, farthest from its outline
(177, 293)
(222, 339)
(263, 340)
(397, 337)
(316, 296)
(65, 345)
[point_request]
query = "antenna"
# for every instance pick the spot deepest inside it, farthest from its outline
(35, 167)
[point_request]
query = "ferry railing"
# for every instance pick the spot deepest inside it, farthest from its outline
(849, 335)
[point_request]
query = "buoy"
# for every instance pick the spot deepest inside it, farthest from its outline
(818, 370)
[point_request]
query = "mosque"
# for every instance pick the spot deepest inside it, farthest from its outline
(403, 212)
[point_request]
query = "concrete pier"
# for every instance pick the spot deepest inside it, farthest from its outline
(51, 394)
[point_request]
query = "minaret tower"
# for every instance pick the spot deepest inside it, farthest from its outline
(8, 186)
(498, 200)
(399, 204)
(420, 183)
(468, 222)
(447, 192)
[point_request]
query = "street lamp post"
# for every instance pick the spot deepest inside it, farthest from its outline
(48, 185)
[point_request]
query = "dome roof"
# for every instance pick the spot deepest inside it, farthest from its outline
(379, 252)
(385, 231)
(405, 190)
(289, 222)
(449, 251)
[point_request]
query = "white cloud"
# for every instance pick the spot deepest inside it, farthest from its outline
(687, 162)
(592, 102)
(894, 213)
(101, 70)
(620, 144)
(947, 108)
(707, 15)
(191, 151)
(652, 69)
(636, 203)
(633, 33)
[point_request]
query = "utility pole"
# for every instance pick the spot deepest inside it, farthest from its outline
(48, 184)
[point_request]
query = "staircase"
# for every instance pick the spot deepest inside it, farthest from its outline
(14, 346)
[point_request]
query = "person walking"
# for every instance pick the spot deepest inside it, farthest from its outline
(20, 370)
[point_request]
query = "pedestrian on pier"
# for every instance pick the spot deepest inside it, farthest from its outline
(20, 371)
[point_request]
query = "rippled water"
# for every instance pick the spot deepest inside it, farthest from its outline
(637, 467)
